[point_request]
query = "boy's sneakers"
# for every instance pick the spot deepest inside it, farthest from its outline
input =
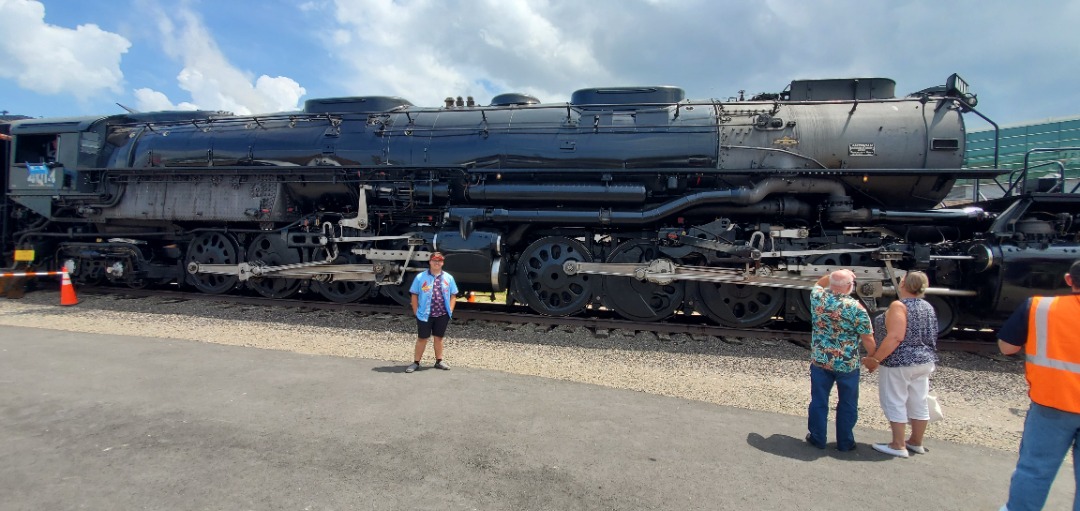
(438, 365)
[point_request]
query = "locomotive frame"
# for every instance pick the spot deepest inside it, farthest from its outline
(630, 198)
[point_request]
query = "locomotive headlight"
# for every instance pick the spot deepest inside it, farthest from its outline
(865, 178)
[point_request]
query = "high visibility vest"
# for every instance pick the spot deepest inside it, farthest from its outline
(1053, 352)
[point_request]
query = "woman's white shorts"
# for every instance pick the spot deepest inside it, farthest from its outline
(902, 392)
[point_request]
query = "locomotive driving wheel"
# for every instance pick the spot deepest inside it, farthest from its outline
(737, 305)
(635, 299)
(840, 260)
(345, 291)
(213, 248)
(543, 284)
(945, 310)
(272, 250)
(400, 292)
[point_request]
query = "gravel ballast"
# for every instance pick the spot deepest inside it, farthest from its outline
(984, 397)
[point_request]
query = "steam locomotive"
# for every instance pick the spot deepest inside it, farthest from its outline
(633, 199)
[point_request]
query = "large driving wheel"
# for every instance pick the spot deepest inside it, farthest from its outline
(635, 299)
(272, 250)
(213, 248)
(737, 305)
(542, 283)
(400, 292)
(345, 291)
(945, 310)
(839, 260)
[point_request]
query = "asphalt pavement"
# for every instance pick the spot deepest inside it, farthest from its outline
(119, 423)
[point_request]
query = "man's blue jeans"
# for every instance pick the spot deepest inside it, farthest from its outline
(847, 410)
(1049, 433)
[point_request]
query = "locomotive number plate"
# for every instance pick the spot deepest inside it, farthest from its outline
(861, 149)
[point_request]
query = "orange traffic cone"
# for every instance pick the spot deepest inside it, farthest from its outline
(67, 291)
(472, 297)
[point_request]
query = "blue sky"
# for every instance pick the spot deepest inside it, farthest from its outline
(82, 57)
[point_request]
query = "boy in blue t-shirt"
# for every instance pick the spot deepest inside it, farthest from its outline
(433, 292)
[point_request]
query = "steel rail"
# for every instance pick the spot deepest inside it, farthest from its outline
(601, 320)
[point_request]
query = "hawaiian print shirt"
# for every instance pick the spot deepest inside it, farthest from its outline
(839, 320)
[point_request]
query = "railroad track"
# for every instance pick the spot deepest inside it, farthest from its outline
(600, 322)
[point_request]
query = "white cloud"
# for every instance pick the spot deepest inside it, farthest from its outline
(49, 59)
(148, 100)
(425, 50)
(212, 81)
(341, 37)
(282, 93)
(311, 6)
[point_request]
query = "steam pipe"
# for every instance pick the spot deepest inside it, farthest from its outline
(738, 196)
(558, 192)
(779, 207)
(866, 215)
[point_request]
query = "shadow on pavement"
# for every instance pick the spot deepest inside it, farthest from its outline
(797, 449)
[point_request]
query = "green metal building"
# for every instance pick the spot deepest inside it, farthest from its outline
(1014, 143)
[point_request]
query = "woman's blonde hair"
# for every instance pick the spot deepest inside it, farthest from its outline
(915, 282)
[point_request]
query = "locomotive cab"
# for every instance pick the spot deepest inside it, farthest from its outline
(45, 156)
(46, 161)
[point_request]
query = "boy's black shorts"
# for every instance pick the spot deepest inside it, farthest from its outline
(433, 326)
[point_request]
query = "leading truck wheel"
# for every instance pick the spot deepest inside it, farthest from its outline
(542, 283)
(213, 248)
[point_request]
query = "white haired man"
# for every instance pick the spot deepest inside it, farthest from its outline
(840, 323)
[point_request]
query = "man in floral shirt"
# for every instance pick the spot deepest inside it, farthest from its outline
(840, 323)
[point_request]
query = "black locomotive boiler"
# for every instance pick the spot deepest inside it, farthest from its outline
(630, 198)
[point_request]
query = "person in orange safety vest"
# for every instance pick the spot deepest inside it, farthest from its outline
(1047, 328)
